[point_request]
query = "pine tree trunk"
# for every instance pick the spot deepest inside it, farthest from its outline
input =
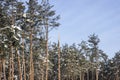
(96, 74)
(46, 78)
(87, 74)
(9, 76)
(59, 78)
(11, 73)
(31, 58)
(92, 75)
(0, 69)
(23, 59)
(12, 64)
(80, 75)
(19, 65)
(1, 65)
(83, 76)
(4, 70)
(42, 75)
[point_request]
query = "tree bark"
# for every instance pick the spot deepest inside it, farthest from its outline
(4, 69)
(96, 74)
(0, 69)
(92, 75)
(19, 65)
(23, 58)
(80, 75)
(87, 74)
(83, 76)
(46, 49)
(12, 64)
(9, 76)
(31, 58)
(59, 78)
(42, 75)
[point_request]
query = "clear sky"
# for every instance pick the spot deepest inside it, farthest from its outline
(80, 18)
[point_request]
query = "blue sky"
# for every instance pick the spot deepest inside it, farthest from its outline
(80, 18)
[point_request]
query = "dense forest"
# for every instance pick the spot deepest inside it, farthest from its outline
(27, 54)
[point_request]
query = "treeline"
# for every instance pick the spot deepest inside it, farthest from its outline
(27, 54)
